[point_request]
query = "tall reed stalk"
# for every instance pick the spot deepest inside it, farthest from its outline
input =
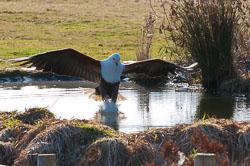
(145, 38)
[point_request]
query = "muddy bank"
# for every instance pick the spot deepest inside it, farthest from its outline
(10, 76)
(82, 142)
(236, 86)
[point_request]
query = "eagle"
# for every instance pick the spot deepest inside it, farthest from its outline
(107, 73)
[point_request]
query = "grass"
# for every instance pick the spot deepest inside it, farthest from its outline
(83, 142)
(97, 28)
(9, 123)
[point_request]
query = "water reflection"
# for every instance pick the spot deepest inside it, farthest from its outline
(214, 106)
(143, 100)
(229, 107)
(111, 119)
(143, 109)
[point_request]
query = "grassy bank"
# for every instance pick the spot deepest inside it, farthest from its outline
(97, 28)
(22, 135)
(82, 142)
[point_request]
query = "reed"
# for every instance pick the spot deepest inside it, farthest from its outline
(209, 30)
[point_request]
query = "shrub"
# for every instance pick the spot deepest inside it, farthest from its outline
(209, 30)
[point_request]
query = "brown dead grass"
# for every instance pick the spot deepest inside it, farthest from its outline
(229, 140)
(81, 142)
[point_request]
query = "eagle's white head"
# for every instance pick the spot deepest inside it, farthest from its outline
(115, 58)
(111, 68)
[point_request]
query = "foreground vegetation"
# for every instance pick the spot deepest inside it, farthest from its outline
(82, 142)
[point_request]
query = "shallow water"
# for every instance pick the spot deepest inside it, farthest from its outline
(143, 109)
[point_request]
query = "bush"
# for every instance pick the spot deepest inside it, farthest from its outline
(209, 30)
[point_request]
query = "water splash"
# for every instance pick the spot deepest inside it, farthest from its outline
(109, 114)
(108, 106)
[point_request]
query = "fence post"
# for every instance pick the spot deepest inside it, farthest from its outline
(204, 159)
(46, 160)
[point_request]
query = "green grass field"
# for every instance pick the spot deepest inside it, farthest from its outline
(97, 28)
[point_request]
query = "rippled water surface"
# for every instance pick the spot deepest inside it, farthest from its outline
(143, 109)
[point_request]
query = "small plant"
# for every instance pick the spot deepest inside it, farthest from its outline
(203, 118)
(16, 143)
(155, 137)
(10, 123)
(41, 124)
(194, 152)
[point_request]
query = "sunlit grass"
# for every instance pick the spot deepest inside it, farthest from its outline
(96, 28)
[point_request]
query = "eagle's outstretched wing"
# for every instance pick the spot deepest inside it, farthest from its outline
(153, 67)
(66, 62)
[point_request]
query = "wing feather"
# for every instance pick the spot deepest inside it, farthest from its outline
(153, 68)
(66, 62)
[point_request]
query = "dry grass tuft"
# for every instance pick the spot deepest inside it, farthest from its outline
(106, 152)
(33, 115)
(118, 152)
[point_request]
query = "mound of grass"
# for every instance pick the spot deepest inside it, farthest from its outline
(120, 151)
(38, 131)
(33, 115)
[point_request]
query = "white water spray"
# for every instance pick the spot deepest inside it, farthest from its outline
(108, 106)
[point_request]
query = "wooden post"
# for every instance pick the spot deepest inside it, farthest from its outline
(204, 159)
(46, 160)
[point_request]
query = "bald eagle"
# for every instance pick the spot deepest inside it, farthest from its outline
(107, 73)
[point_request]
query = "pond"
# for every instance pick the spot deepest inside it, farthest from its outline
(143, 108)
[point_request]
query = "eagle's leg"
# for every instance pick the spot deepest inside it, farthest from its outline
(109, 90)
(97, 90)
(103, 89)
(104, 93)
(114, 93)
(110, 93)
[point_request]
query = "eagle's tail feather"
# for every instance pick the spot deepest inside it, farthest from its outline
(94, 96)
